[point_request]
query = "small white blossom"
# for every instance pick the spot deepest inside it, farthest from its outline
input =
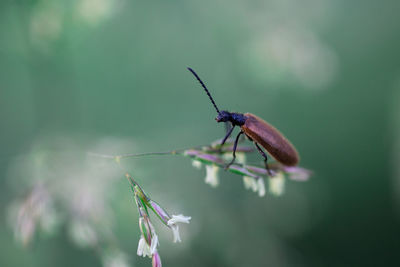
(175, 232)
(154, 244)
(247, 182)
(196, 163)
(250, 183)
(255, 184)
(175, 228)
(143, 248)
(277, 184)
(179, 218)
(261, 187)
(212, 175)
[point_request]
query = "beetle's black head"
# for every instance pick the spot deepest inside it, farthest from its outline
(223, 116)
(237, 119)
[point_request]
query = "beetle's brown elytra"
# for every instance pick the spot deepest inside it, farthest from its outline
(271, 139)
(259, 131)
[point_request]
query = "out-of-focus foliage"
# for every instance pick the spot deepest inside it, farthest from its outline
(109, 76)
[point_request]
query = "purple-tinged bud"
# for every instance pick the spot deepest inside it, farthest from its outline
(242, 171)
(136, 188)
(156, 260)
(145, 228)
(140, 193)
(149, 240)
(259, 170)
(205, 158)
(297, 173)
(159, 211)
(141, 204)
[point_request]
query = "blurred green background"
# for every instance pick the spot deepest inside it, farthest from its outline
(110, 76)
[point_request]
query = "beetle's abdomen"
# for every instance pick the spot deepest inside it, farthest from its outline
(271, 139)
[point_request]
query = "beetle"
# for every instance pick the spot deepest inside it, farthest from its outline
(257, 130)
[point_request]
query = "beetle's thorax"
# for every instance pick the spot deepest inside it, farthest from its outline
(237, 119)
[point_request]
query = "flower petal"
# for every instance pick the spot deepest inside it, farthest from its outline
(179, 219)
(140, 246)
(175, 232)
(154, 244)
(261, 186)
(277, 184)
(172, 223)
(143, 248)
(247, 181)
(212, 175)
(196, 164)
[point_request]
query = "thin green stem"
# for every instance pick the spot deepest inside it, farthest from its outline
(206, 148)
(172, 152)
(135, 155)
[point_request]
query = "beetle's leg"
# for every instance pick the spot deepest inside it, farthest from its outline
(225, 138)
(228, 126)
(234, 150)
(265, 158)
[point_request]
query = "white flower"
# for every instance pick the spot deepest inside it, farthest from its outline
(250, 183)
(175, 232)
(261, 187)
(255, 184)
(143, 248)
(277, 184)
(175, 228)
(179, 218)
(154, 244)
(212, 175)
(196, 164)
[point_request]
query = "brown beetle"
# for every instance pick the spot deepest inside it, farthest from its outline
(257, 130)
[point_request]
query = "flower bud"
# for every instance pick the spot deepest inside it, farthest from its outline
(145, 229)
(156, 260)
(159, 211)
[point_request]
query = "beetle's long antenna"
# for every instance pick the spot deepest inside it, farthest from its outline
(205, 88)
